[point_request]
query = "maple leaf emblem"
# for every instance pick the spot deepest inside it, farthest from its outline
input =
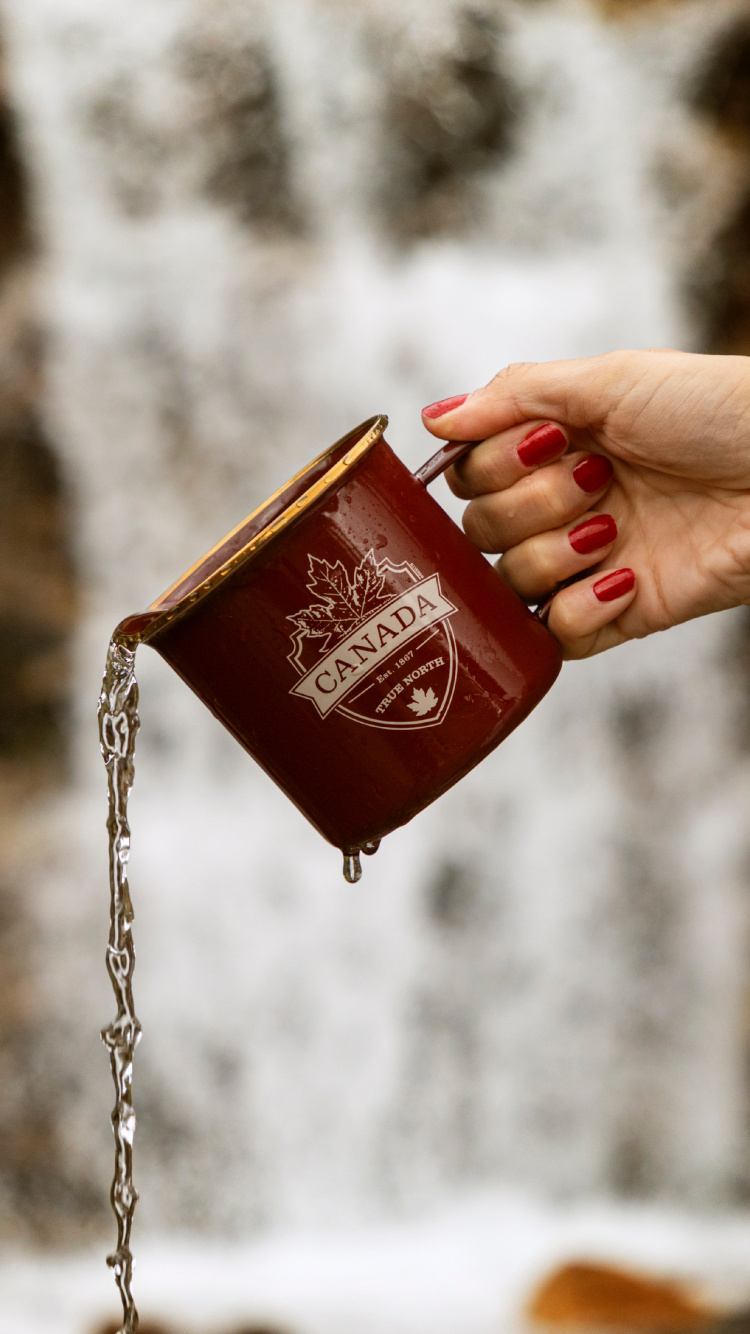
(423, 701)
(345, 602)
(367, 586)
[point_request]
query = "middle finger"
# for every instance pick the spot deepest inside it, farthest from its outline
(547, 499)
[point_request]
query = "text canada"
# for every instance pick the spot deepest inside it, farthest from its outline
(366, 648)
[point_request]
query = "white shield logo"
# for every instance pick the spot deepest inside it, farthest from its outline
(377, 644)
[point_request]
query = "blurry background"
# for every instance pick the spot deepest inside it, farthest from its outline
(229, 231)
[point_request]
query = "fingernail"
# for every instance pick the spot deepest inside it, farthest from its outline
(444, 405)
(614, 585)
(541, 446)
(593, 534)
(593, 473)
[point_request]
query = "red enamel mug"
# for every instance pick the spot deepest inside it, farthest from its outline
(354, 642)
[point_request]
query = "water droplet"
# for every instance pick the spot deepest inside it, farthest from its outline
(370, 849)
(352, 867)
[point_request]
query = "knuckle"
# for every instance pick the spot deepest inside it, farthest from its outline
(542, 559)
(486, 471)
(555, 505)
(567, 627)
(510, 570)
(458, 485)
(480, 471)
(469, 477)
(481, 528)
(515, 370)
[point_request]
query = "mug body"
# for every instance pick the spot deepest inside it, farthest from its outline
(367, 656)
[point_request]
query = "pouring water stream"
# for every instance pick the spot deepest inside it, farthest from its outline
(118, 725)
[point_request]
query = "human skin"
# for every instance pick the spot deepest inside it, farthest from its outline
(675, 427)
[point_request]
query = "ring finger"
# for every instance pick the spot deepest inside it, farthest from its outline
(534, 567)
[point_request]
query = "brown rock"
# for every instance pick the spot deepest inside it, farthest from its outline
(581, 1295)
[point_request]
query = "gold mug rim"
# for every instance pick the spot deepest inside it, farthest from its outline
(373, 429)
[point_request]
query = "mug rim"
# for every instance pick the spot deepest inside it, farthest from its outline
(368, 433)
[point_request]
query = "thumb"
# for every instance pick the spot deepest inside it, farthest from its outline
(578, 393)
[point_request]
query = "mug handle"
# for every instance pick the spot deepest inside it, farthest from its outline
(449, 453)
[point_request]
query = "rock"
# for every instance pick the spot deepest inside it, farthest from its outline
(582, 1295)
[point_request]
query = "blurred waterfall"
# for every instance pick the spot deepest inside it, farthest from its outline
(259, 225)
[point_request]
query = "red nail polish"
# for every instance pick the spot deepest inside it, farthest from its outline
(444, 405)
(593, 534)
(593, 473)
(614, 585)
(541, 446)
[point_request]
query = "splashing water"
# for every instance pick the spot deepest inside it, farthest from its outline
(118, 725)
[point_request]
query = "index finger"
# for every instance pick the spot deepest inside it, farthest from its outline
(503, 459)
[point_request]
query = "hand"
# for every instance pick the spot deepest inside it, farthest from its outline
(632, 465)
